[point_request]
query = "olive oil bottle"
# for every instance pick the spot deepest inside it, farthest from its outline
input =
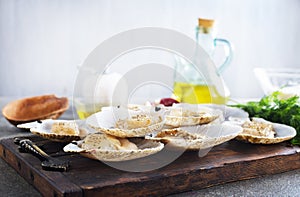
(197, 93)
(202, 84)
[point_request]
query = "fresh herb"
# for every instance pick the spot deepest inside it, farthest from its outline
(275, 109)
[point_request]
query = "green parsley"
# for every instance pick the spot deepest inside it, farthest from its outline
(275, 109)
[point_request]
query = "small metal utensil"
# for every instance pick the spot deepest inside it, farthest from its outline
(48, 163)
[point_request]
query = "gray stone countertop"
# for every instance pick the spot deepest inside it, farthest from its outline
(284, 184)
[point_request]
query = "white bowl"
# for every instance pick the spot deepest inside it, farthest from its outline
(273, 79)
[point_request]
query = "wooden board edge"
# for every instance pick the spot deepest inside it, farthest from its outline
(31, 175)
(199, 179)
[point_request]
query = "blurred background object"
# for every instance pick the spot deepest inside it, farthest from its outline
(43, 42)
(285, 79)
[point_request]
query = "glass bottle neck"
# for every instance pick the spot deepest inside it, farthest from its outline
(205, 38)
(204, 30)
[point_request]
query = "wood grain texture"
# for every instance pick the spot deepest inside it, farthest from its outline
(231, 161)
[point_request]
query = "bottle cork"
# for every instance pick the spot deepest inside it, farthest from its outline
(208, 23)
(205, 26)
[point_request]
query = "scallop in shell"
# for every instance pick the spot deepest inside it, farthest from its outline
(57, 130)
(103, 147)
(260, 131)
(191, 114)
(228, 112)
(35, 108)
(198, 137)
(127, 122)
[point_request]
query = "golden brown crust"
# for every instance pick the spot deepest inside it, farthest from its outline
(134, 122)
(259, 129)
(67, 128)
(196, 137)
(177, 121)
(189, 115)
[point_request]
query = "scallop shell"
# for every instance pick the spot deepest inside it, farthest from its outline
(105, 120)
(184, 114)
(35, 108)
(102, 153)
(283, 132)
(43, 129)
(228, 112)
(198, 137)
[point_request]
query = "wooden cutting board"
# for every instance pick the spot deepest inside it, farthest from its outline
(231, 161)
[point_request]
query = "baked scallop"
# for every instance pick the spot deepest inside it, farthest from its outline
(260, 131)
(105, 147)
(197, 137)
(127, 121)
(228, 112)
(190, 114)
(35, 108)
(58, 130)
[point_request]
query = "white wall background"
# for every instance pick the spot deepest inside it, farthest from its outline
(43, 42)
